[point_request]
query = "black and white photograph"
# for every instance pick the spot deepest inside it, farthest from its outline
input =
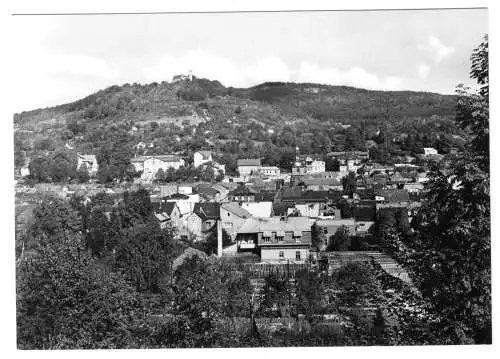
(250, 177)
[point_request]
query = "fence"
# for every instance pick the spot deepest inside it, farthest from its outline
(263, 270)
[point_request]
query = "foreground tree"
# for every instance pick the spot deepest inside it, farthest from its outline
(144, 254)
(65, 299)
(450, 256)
(340, 241)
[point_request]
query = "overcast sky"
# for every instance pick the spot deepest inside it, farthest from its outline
(63, 58)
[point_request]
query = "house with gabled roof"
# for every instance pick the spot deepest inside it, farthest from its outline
(207, 192)
(184, 202)
(233, 216)
(169, 213)
(242, 194)
(203, 219)
(276, 239)
(297, 195)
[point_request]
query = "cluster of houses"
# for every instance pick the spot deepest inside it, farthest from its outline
(272, 214)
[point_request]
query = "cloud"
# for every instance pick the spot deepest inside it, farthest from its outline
(265, 69)
(79, 65)
(356, 76)
(423, 71)
(438, 50)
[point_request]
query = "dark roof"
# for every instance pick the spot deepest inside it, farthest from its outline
(394, 195)
(175, 196)
(242, 191)
(168, 207)
(265, 196)
(291, 192)
(315, 196)
(207, 210)
(206, 189)
(298, 195)
(281, 209)
(321, 182)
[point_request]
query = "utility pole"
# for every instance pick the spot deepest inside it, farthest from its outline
(219, 238)
(289, 288)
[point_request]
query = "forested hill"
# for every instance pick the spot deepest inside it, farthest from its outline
(268, 101)
(262, 121)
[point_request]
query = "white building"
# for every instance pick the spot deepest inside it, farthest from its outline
(316, 166)
(270, 171)
(182, 77)
(150, 165)
(308, 165)
(202, 157)
(248, 166)
(90, 161)
(430, 151)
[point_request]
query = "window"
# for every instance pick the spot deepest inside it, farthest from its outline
(297, 255)
(282, 254)
(325, 230)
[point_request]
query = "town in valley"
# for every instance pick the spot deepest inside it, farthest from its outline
(190, 213)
